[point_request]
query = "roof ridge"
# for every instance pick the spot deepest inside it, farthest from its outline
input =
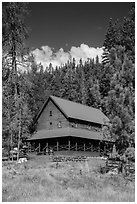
(74, 102)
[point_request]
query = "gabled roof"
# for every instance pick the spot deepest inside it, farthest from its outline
(77, 111)
(64, 132)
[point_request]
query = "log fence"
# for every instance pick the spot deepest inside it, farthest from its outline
(69, 158)
(127, 168)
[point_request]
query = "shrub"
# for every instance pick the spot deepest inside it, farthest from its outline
(130, 153)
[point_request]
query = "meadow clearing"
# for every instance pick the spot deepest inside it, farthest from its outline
(41, 180)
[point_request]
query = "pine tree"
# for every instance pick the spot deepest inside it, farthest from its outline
(127, 35)
(122, 34)
(120, 99)
(110, 37)
(13, 33)
(68, 86)
(83, 85)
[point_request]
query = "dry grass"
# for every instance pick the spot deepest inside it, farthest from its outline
(39, 180)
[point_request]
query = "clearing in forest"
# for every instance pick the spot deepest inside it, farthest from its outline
(41, 180)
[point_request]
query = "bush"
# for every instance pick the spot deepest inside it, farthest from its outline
(130, 153)
(4, 153)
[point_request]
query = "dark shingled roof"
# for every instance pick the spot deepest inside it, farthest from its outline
(79, 111)
(63, 132)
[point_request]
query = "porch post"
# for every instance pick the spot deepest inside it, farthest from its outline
(57, 146)
(39, 147)
(84, 147)
(91, 147)
(29, 144)
(69, 145)
(76, 146)
(33, 145)
(99, 147)
(105, 147)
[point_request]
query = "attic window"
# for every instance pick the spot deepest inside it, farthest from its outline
(50, 113)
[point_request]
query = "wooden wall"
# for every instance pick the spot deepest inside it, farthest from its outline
(45, 120)
(85, 125)
(48, 122)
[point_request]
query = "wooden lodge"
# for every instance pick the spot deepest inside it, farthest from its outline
(66, 125)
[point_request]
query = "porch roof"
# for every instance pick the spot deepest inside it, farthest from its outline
(63, 132)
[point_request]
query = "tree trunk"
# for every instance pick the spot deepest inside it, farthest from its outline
(19, 135)
(83, 88)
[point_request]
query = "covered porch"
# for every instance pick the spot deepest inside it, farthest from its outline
(70, 139)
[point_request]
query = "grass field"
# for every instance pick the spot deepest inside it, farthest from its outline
(40, 180)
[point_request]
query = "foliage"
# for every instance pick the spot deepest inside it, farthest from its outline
(130, 153)
(13, 26)
(122, 33)
(14, 97)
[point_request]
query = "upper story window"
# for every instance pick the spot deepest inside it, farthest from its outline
(50, 113)
(59, 124)
(74, 125)
(89, 127)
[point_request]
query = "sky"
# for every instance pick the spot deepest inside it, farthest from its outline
(63, 30)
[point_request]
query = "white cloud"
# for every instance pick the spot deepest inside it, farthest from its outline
(61, 56)
(47, 55)
(85, 52)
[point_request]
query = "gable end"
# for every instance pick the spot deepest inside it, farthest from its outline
(44, 106)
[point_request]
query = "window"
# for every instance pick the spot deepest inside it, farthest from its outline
(50, 113)
(74, 125)
(89, 127)
(50, 123)
(59, 124)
